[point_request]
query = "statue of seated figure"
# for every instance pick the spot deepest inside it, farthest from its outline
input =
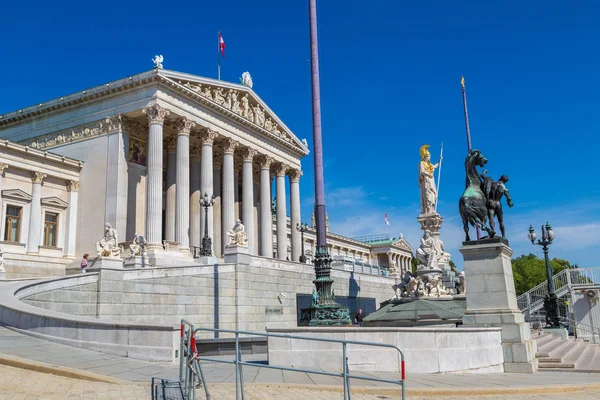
(137, 246)
(237, 236)
(108, 245)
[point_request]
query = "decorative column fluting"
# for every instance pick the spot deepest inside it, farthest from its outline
(206, 177)
(195, 209)
(266, 218)
(170, 198)
(71, 227)
(35, 216)
(217, 207)
(248, 197)
(182, 212)
(154, 182)
(295, 213)
(229, 146)
(281, 212)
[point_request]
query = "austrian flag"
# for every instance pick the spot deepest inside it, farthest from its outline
(387, 222)
(221, 45)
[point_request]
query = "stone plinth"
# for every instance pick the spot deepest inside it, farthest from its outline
(138, 262)
(237, 254)
(207, 260)
(172, 257)
(105, 263)
(492, 301)
(432, 222)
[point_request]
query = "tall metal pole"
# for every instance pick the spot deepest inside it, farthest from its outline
(218, 54)
(324, 310)
(468, 130)
(317, 136)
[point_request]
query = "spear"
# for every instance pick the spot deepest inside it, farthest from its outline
(439, 176)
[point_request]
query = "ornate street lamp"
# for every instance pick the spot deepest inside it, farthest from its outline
(302, 227)
(551, 301)
(206, 240)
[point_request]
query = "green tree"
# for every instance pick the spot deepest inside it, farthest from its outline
(453, 267)
(413, 263)
(530, 270)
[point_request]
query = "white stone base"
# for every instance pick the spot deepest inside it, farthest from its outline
(157, 257)
(207, 260)
(492, 301)
(137, 262)
(426, 350)
(237, 255)
(562, 333)
(105, 263)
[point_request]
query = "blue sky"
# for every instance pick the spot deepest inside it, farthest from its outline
(390, 75)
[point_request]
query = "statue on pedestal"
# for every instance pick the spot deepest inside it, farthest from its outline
(481, 198)
(427, 253)
(237, 236)
(137, 246)
(108, 245)
(427, 182)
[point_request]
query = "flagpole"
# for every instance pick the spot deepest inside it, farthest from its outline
(218, 54)
(439, 177)
(468, 130)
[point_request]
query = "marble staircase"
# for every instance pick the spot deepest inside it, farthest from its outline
(575, 355)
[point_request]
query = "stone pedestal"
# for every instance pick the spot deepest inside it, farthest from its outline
(432, 222)
(138, 262)
(492, 301)
(237, 255)
(105, 263)
(207, 260)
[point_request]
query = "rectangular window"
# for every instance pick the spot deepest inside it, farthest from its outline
(12, 230)
(50, 229)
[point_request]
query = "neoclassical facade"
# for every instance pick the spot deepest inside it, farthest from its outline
(139, 152)
(152, 143)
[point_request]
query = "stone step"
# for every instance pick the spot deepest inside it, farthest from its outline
(548, 365)
(552, 347)
(560, 353)
(550, 341)
(542, 338)
(577, 353)
(589, 360)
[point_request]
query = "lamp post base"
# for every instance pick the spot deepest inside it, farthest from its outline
(551, 308)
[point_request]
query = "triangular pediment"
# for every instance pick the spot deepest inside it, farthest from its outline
(403, 244)
(240, 103)
(54, 202)
(16, 194)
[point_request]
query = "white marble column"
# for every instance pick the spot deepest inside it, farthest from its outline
(217, 207)
(281, 213)
(182, 194)
(71, 226)
(117, 177)
(35, 213)
(248, 197)
(237, 209)
(154, 181)
(295, 213)
(170, 198)
(228, 190)
(266, 219)
(195, 209)
(206, 179)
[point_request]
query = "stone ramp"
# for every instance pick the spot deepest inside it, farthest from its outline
(556, 354)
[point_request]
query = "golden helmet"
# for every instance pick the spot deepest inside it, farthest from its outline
(425, 151)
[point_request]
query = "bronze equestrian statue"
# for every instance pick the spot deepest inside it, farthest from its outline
(481, 198)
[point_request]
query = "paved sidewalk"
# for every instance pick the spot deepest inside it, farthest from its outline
(256, 377)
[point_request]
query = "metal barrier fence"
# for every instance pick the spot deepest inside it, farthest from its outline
(190, 371)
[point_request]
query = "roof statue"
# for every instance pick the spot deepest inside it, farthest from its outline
(305, 142)
(158, 60)
(246, 79)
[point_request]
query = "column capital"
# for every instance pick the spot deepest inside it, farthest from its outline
(280, 169)
(156, 114)
(295, 175)
(2, 168)
(208, 137)
(265, 162)
(217, 160)
(184, 126)
(73, 186)
(37, 177)
(248, 154)
(229, 145)
(171, 144)
(195, 152)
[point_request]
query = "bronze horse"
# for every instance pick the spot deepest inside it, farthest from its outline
(472, 204)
